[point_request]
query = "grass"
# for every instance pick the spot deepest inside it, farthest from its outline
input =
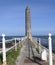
(0, 59)
(37, 50)
(11, 56)
(53, 61)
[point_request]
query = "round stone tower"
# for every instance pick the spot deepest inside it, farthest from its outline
(27, 22)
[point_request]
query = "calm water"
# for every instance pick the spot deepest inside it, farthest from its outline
(44, 40)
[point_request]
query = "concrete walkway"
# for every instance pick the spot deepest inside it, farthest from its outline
(28, 56)
(24, 59)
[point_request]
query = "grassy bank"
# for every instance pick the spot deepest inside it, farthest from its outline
(11, 56)
(0, 59)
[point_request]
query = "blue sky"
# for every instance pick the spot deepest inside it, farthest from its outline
(12, 16)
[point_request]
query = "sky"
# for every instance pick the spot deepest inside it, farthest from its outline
(12, 16)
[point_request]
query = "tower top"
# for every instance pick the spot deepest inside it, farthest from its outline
(27, 8)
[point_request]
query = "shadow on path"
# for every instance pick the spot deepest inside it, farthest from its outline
(34, 59)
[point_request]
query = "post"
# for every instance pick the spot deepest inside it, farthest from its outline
(44, 55)
(39, 45)
(19, 43)
(15, 45)
(50, 50)
(3, 49)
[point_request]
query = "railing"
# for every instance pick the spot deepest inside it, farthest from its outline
(10, 40)
(39, 42)
(3, 50)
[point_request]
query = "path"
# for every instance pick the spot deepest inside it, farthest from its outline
(28, 56)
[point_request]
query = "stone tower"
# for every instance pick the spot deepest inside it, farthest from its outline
(27, 22)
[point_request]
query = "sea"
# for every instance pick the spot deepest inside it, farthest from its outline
(43, 40)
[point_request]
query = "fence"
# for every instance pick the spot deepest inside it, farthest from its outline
(41, 47)
(4, 50)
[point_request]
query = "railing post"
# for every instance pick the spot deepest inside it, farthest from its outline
(15, 45)
(3, 49)
(19, 43)
(39, 45)
(50, 50)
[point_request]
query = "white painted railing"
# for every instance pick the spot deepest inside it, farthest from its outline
(21, 40)
(3, 50)
(49, 50)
